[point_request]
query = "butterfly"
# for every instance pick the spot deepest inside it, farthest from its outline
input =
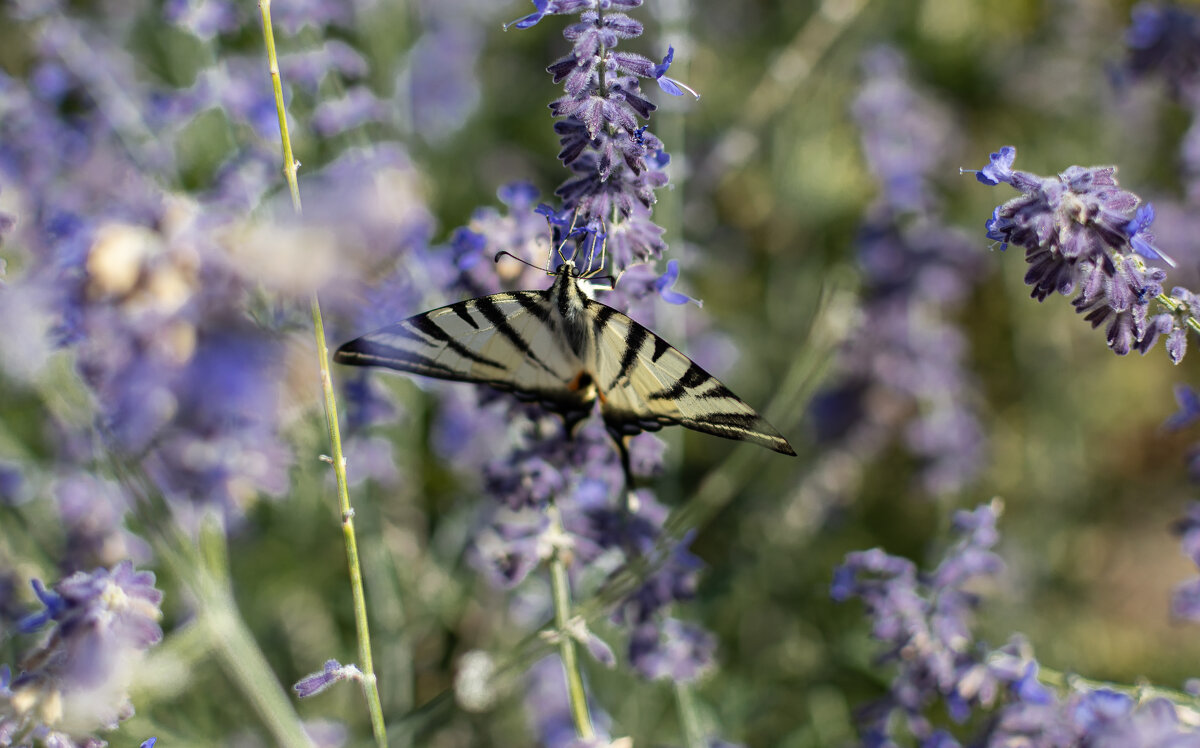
(565, 351)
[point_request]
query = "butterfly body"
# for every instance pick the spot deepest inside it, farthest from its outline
(565, 351)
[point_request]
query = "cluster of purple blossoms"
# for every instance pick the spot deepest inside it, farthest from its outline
(618, 163)
(992, 697)
(180, 310)
(76, 681)
(1082, 233)
(902, 368)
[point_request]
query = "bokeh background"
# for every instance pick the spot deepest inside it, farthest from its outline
(778, 171)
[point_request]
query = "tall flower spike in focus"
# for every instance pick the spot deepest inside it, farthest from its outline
(604, 221)
(1082, 234)
(617, 161)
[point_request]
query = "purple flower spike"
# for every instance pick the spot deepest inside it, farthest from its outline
(670, 85)
(665, 283)
(531, 19)
(148, 743)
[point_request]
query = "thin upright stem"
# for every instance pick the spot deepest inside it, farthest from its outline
(365, 661)
(689, 718)
(566, 645)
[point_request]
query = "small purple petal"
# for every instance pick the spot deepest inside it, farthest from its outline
(664, 286)
(1000, 167)
(1189, 408)
(532, 18)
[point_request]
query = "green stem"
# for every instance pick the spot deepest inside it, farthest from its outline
(365, 662)
(1175, 305)
(689, 717)
(201, 570)
(1139, 692)
(566, 645)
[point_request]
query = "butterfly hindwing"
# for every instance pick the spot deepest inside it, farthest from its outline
(645, 384)
(505, 340)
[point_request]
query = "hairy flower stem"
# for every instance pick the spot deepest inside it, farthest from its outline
(1173, 304)
(365, 663)
(566, 645)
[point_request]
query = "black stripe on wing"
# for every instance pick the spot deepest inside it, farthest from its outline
(740, 423)
(634, 340)
(366, 352)
(492, 314)
(693, 377)
(425, 325)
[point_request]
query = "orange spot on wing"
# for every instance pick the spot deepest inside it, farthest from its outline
(584, 380)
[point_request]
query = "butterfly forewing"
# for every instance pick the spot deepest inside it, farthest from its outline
(645, 384)
(506, 340)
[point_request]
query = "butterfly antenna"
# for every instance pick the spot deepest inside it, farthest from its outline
(503, 252)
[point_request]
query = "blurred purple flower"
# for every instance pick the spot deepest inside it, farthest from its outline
(78, 676)
(1164, 39)
(358, 106)
(902, 369)
(93, 513)
(904, 133)
(307, 69)
(675, 651)
(923, 621)
(1189, 408)
(923, 626)
(439, 80)
(204, 18)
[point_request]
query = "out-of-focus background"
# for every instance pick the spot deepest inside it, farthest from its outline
(909, 384)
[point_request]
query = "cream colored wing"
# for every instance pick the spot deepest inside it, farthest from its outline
(645, 384)
(507, 340)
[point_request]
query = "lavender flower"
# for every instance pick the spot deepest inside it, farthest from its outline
(1189, 408)
(1163, 40)
(1082, 233)
(615, 159)
(905, 355)
(333, 672)
(75, 682)
(923, 624)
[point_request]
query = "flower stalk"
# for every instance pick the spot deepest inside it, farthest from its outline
(338, 460)
(561, 587)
